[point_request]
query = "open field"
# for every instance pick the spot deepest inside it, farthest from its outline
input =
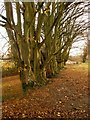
(67, 96)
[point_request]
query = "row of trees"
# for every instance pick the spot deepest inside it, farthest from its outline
(41, 35)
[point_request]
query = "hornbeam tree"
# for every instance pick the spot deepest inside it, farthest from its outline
(40, 35)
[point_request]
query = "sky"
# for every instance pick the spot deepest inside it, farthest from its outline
(4, 44)
(3, 40)
(76, 47)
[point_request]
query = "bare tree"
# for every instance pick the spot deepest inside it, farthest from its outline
(41, 36)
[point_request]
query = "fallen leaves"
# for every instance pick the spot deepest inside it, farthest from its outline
(58, 114)
(65, 97)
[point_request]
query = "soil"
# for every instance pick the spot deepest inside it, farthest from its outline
(66, 96)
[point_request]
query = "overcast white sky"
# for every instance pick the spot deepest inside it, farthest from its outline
(4, 38)
(4, 44)
(79, 47)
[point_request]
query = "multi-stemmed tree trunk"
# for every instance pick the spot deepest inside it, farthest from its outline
(41, 35)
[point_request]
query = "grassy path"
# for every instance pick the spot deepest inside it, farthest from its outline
(66, 96)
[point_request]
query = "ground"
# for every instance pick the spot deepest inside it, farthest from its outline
(66, 96)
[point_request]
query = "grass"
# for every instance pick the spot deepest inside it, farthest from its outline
(11, 88)
(82, 65)
(12, 85)
(66, 95)
(8, 68)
